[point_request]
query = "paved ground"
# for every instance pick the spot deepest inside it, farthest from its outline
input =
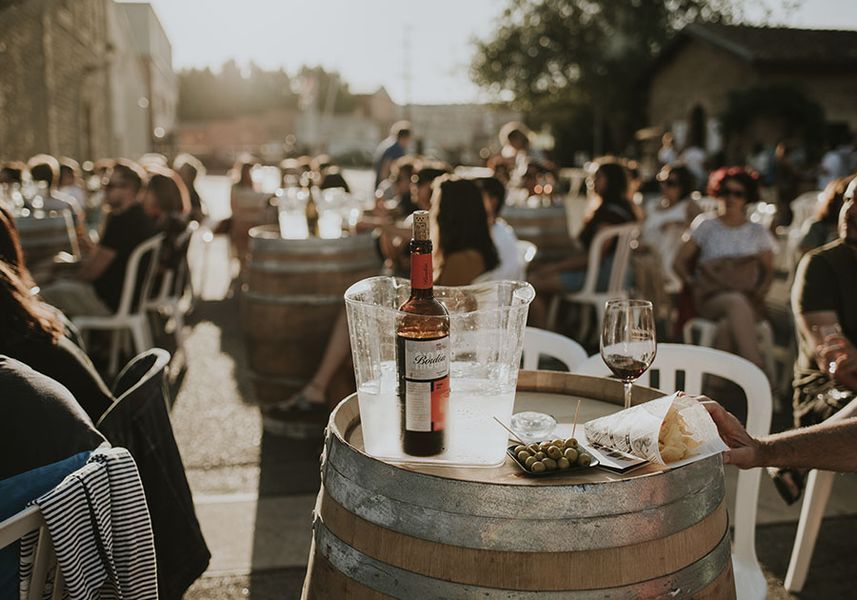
(254, 493)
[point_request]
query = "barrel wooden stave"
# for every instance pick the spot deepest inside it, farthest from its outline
(292, 295)
(410, 532)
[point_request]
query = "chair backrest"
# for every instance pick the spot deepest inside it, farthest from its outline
(143, 371)
(538, 342)
(623, 235)
(804, 207)
(174, 281)
(527, 252)
(18, 526)
(151, 248)
(695, 361)
(762, 213)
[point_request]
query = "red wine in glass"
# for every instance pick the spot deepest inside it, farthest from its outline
(628, 345)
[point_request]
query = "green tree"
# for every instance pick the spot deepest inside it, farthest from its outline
(553, 58)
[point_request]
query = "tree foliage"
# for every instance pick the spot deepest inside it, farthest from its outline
(205, 94)
(546, 54)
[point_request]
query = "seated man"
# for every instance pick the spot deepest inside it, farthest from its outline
(824, 301)
(97, 287)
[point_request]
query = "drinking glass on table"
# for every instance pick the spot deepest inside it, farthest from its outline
(830, 346)
(628, 344)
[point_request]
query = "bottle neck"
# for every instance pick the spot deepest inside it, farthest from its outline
(422, 271)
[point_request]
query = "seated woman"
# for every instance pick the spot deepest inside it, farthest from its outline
(463, 251)
(673, 212)
(167, 203)
(612, 207)
(822, 228)
(33, 334)
(728, 264)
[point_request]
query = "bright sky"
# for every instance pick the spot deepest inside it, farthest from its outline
(371, 41)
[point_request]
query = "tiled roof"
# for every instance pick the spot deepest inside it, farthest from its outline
(780, 45)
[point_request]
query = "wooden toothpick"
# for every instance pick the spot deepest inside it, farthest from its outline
(514, 435)
(576, 411)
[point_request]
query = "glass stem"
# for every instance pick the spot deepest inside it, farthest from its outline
(628, 386)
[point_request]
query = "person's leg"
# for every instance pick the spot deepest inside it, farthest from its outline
(75, 298)
(546, 285)
(740, 323)
(335, 353)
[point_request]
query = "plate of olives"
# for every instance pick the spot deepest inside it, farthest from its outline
(551, 457)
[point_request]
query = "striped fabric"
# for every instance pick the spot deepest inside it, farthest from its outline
(99, 524)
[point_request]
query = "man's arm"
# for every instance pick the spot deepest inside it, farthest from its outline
(96, 263)
(831, 446)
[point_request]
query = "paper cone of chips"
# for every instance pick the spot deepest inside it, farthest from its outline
(673, 430)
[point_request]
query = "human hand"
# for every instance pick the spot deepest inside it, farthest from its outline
(744, 451)
(846, 370)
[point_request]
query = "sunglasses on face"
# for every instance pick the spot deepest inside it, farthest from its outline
(735, 193)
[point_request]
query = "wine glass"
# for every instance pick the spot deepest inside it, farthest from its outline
(628, 344)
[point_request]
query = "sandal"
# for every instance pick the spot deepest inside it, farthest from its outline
(789, 483)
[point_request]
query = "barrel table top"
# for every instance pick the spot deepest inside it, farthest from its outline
(542, 391)
(410, 530)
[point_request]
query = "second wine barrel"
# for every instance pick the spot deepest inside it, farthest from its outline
(292, 297)
(43, 237)
(391, 531)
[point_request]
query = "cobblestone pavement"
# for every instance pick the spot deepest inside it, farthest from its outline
(254, 493)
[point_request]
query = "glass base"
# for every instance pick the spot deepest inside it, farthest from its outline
(533, 426)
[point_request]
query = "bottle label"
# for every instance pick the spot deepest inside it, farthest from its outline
(426, 381)
(421, 271)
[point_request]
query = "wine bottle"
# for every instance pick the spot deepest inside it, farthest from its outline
(311, 210)
(422, 338)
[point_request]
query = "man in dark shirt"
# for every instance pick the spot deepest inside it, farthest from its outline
(97, 287)
(42, 423)
(390, 149)
(824, 301)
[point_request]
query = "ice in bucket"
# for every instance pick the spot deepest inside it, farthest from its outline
(487, 323)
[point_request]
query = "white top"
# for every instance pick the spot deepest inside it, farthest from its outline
(831, 167)
(694, 158)
(717, 240)
(511, 266)
(657, 217)
(667, 155)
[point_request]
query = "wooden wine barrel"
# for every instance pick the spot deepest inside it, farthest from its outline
(546, 227)
(386, 531)
(292, 296)
(249, 209)
(44, 237)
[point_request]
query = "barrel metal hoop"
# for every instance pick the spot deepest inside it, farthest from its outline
(291, 299)
(533, 231)
(400, 583)
(272, 266)
(540, 502)
(313, 245)
(565, 529)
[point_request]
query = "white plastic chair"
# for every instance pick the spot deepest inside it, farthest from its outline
(526, 253)
(804, 207)
(590, 296)
(696, 361)
(762, 213)
(128, 317)
(540, 342)
(816, 493)
(704, 331)
(708, 204)
(19, 525)
(175, 296)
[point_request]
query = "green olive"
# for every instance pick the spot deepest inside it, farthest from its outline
(533, 448)
(540, 455)
(550, 464)
(554, 452)
(538, 467)
(584, 460)
(559, 444)
(544, 446)
(531, 460)
(563, 463)
(570, 454)
(519, 448)
(571, 443)
(523, 455)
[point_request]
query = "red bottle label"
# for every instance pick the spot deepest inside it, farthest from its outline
(421, 271)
